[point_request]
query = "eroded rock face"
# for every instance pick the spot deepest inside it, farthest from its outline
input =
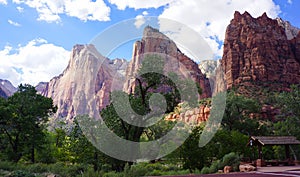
(2, 93)
(290, 31)
(85, 85)
(193, 116)
(154, 42)
(6, 88)
(40, 88)
(258, 53)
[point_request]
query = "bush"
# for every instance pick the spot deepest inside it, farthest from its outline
(91, 173)
(230, 159)
(37, 168)
(9, 166)
(205, 170)
(113, 174)
(67, 170)
(20, 173)
(215, 166)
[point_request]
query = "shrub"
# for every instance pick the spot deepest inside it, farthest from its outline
(205, 170)
(230, 159)
(91, 173)
(155, 173)
(37, 168)
(214, 167)
(20, 173)
(9, 166)
(113, 174)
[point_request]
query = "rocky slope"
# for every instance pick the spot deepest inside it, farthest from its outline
(259, 54)
(84, 86)
(290, 31)
(154, 42)
(6, 88)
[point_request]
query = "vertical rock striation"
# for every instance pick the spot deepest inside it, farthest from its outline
(259, 54)
(154, 42)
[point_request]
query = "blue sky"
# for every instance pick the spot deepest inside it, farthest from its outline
(37, 35)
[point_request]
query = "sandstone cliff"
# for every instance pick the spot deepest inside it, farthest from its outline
(175, 61)
(84, 86)
(258, 54)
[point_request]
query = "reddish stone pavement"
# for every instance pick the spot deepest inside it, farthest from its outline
(293, 171)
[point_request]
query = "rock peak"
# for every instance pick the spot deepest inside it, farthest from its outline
(247, 14)
(154, 41)
(290, 31)
(264, 16)
(258, 54)
(150, 32)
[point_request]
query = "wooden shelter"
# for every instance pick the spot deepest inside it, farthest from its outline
(261, 141)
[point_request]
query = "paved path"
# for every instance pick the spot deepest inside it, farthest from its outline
(254, 174)
(279, 171)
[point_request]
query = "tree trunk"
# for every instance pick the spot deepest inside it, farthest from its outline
(32, 154)
(95, 163)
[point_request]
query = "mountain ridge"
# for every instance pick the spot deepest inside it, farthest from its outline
(258, 53)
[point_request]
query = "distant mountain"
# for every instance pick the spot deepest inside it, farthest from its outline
(90, 77)
(259, 53)
(6, 88)
(2, 93)
(290, 31)
(85, 84)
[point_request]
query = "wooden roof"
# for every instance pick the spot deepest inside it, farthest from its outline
(275, 140)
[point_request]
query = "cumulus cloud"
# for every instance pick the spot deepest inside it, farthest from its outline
(13, 23)
(290, 1)
(210, 18)
(139, 4)
(3, 2)
(20, 9)
(37, 61)
(140, 19)
(50, 11)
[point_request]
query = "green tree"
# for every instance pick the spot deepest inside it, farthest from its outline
(23, 120)
(190, 154)
(289, 119)
(237, 114)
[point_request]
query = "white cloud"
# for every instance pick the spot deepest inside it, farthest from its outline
(20, 9)
(13, 23)
(37, 61)
(50, 11)
(290, 1)
(145, 13)
(210, 18)
(139, 4)
(3, 2)
(139, 21)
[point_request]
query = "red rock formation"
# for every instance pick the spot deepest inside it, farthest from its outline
(257, 53)
(175, 61)
(192, 116)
